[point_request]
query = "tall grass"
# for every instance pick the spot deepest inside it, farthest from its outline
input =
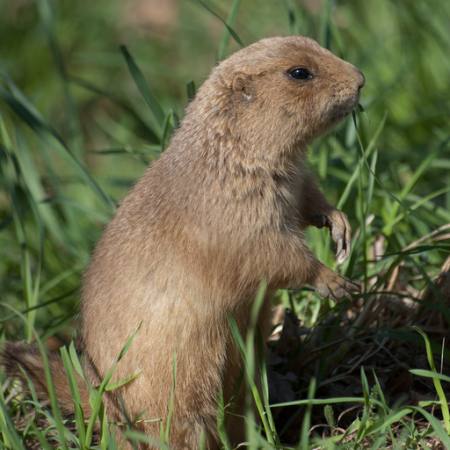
(83, 112)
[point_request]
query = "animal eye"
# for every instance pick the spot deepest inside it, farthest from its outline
(300, 73)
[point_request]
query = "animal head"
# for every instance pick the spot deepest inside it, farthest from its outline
(283, 91)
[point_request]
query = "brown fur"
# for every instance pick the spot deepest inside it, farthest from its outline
(17, 358)
(222, 209)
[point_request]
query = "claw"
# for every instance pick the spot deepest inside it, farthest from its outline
(341, 234)
(340, 246)
(340, 252)
(341, 256)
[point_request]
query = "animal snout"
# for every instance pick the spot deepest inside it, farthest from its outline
(361, 79)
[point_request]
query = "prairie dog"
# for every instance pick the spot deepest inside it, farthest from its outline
(222, 209)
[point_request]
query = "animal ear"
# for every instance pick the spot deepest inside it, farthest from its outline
(242, 86)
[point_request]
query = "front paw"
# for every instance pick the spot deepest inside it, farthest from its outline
(334, 286)
(340, 230)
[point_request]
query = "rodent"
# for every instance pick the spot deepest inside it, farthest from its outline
(222, 209)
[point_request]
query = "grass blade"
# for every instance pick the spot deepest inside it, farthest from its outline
(229, 24)
(436, 381)
(43, 130)
(230, 30)
(142, 85)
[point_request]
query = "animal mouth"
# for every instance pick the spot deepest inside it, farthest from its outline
(340, 113)
(345, 108)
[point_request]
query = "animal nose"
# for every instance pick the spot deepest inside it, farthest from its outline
(361, 80)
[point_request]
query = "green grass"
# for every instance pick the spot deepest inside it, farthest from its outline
(89, 96)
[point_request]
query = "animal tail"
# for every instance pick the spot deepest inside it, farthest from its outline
(17, 358)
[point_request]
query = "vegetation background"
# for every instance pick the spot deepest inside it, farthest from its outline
(81, 117)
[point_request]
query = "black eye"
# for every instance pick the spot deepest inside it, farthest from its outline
(300, 73)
